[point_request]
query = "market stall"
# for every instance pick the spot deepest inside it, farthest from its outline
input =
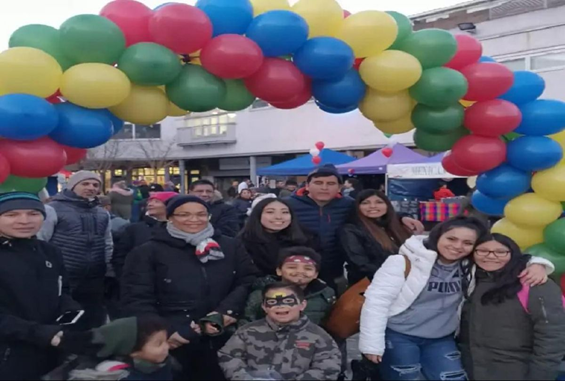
(303, 165)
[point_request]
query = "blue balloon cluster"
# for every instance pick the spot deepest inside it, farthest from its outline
(227, 16)
(278, 33)
(527, 87)
(341, 94)
(534, 153)
(26, 117)
(504, 182)
(488, 205)
(542, 117)
(334, 110)
(324, 58)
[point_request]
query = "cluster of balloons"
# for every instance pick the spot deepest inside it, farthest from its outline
(316, 151)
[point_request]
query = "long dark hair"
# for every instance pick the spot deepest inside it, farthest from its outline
(255, 232)
(386, 230)
(467, 264)
(507, 283)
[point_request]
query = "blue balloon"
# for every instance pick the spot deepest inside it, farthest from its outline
(324, 58)
(162, 6)
(80, 127)
(341, 93)
(487, 59)
(227, 16)
(26, 117)
(278, 33)
(534, 153)
(117, 123)
(334, 110)
(504, 182)
(542, 117)
(528, 86)
(487, 205)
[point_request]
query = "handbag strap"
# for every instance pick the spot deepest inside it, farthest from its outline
(408, 267)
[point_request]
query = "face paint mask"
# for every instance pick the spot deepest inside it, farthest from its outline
(281, 301)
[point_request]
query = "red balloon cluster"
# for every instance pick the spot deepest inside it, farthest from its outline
(132, 17)
(487, 80)
(469, 51)
(277, 80)
(74, 155)
(298, 100)
(478, 154)
(493, 118)
(4, 169)
(38, 158)
(232, 56)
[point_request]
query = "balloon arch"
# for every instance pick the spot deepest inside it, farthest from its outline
(69, 89)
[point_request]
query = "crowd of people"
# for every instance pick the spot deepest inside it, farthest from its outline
(198, 289)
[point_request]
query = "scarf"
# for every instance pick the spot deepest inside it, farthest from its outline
(206, 248)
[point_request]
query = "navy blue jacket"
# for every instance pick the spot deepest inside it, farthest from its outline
(325, 222)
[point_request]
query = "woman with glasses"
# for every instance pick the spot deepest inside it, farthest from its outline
(196, 279)
(510, 331)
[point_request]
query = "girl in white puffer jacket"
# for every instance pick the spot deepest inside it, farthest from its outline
(411, 310)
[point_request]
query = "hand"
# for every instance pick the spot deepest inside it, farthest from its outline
(415, 226)
(56, 340)
(196, 328)
(534, 275)
(374, 358)
(229, 320)
(177, 341)
(210, 329)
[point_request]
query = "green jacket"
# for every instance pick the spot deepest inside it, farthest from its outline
(319, 296)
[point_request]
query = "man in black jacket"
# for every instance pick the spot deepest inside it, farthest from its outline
(33, 291)
(225, 218)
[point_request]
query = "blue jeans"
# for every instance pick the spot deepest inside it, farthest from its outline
(407, 356)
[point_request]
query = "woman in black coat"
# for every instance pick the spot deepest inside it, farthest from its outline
(33, 291)
(271, 227)
(195, 279)
(373, 233)
(242, 204)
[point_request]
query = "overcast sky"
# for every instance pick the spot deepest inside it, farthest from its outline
(53, 12)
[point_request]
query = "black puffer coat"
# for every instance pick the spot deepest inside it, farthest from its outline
(225, 219)
(164, 277)
(33, 293)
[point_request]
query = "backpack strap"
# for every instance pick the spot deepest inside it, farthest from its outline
(524, 296)
(408, 267)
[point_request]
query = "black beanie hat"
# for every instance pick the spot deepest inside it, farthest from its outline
(177, 201)
(326, 171)
(20, 201)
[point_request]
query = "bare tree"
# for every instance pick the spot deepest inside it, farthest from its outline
(103, 158)
(157, 152)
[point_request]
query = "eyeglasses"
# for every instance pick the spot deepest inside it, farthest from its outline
(197, 217)
(496, 253)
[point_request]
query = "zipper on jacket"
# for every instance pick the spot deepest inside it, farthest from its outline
(6, 355)
(543, 310)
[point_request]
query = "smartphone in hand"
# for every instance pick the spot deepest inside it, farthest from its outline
(70, 317)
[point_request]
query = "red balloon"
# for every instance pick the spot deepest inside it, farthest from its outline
(351, 171)
(297, 100)
(487, 80)
(357, 63)
(387, 152)
(317, 160)
(4, 169)
(38, 158)
(479, 153)
(132, 17)
(320, 145)
(277, 80)
(232, 56)
(563, 284)
(493, 118)
(346, 13)
(450, 167)
(469, 51)
(74, 155)
(180, 27)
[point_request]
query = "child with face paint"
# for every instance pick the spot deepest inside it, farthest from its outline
(299, 266)
(285, 345)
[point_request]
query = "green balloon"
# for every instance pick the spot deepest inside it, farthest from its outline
(237, 96)
(150, 64)
(440, 87)
(555, 257)
(23, 184)
(196, 90)
(436, 120)
(404, 27)
(511, 136)
(438, 142)
(41, 37)
(554, 235)
(92, 38)
(432, 47)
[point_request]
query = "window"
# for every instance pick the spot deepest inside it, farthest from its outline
(515, 64)
(125, 133)
(211, 125)
(548, 61)
(138, 131)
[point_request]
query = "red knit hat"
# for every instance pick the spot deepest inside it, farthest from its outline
(163, 196)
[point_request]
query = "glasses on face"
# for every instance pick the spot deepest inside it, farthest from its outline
(187, 216)
(496, 253)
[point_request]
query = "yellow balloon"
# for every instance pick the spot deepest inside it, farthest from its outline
(385, 107)
(144, 105)
(262, 6)
(399, 126)
(550, 184)
(391, 71)
(324, 17)
(466, 104)
(368, 32)
(531, 209)
(95, 85)
(174, 110)
(29, 71)
(525, 236)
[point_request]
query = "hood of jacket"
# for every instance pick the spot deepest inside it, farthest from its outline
(71, 197)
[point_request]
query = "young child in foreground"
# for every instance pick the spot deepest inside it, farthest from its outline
(285, 345)
(299, 266)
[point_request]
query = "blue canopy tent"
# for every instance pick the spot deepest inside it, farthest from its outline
(303, 165)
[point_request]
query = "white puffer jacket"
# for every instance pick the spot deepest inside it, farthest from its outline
(390, 293)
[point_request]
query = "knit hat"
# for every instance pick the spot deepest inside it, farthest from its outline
(326, 171)
(81, 176)
(20, 201)
(118, 338)
(163, 196)
(180, 200)
(258, 199)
